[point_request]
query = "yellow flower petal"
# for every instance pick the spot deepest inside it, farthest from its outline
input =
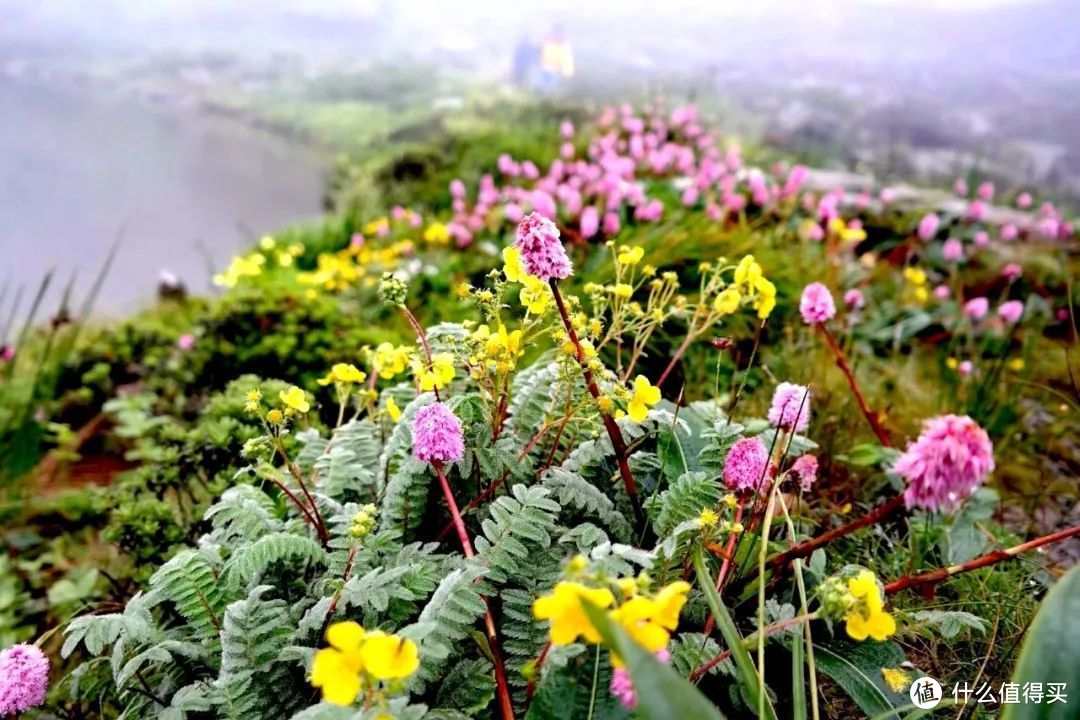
(345, 636)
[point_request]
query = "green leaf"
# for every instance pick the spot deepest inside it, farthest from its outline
(857, 669)
(77, 585)
(964, 538)
(661, 693)
(1051, 652)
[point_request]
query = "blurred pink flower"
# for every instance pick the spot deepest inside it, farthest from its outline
(1009, 232)
(1023, 200)
(185, 342)
(981, 238)
(960, 187)
(887, 196)
(985, 191)
(790, 409)
(977, 210)
(805, 468)
(854, 299)
(1012, 271)
(952, 250)
(965, 368)
(976, 308)
(816, 304)
(1011, 311)
(590, 221)
(566, 129)
(612, 224)
(457, 188)
(942, 292)
(928, 227)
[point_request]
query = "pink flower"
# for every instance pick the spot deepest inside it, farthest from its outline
(566, 129)
(942, 292)
(1023, 200)
(805, 469)
(947, 464)
(1010, 311)
(1049, 227)
(976, 308)
(24, 677)
(437, 435)
(952, 250)
(356, 241)
(960, 187)
(185, 342)
(1009, 232)
(817, 304)
(854, 299)
(746, 467)
(790, 408)
(513, 212)
(965, 368)
(7, 352)
(457, 189)
(1012, 271)
(985, 191)
(887, 196)
(566, 152)
(590, 221)
(622, 687)
(611, 223)
(977, 210)
(981, 238)
(542, 252)
(928, 227)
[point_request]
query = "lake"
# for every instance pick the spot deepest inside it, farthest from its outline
(188, 190)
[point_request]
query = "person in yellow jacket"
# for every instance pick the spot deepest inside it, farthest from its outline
(556, 60)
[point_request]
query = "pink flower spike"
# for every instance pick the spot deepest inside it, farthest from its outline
(946, 465)
(790, 408)
(542, 252)
(805, 469)
(928, 227)
(746, 467)
(854, 299)
(976, 308)
(816, 305)
(24, 678)
(437, 434)
(1011, 311)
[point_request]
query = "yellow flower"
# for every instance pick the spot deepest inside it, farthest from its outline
(285, 259)
(336, 669)
(567, 615)
(622, 290)
(253, 398)
(867, 618)
(389, 361)
(896, 679)
(669, 603)
(708, 517)
(644, 396)
(1016, 364)
(343, 373)
(392, 409)
(765, 300)
(915, 276)
(503, 344)
(295, 400)
(437, 234)
(266, 242)
(638, 617)
(604, 404)
(275, 417)
(952, 363)
(631, 256)
(727, 301)
(462, 290)
(512, 268)
(389, 657)
(747, 271)
(536, 295)
(439, 374)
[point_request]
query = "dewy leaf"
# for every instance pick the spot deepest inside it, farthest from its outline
(857, 669)
(661, 693)
(1051, 654)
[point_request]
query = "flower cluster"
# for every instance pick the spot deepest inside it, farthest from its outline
(947, 464)
(790, 409)
(542, 252)
(857, 600)
(747, 467)
(648, 618)
(358, 660)
(24, 678)
(437, 434)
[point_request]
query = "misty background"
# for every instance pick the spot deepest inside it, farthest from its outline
(190, 128)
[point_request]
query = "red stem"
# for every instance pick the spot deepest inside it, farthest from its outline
(725, 566)
(617, 444)
(769, 630)
(990, 558)
(419, 330)
(806, 548)
(868, 413)
(502, 686)
(675, 359)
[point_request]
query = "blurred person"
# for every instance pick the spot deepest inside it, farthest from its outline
(556, 60)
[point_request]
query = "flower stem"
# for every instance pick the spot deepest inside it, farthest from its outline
(502, 686)
(617, 444)
(842, 363)
(768, 631)
(725, 565)
(990, 558)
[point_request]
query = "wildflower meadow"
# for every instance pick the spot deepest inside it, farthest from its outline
(613, 422)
